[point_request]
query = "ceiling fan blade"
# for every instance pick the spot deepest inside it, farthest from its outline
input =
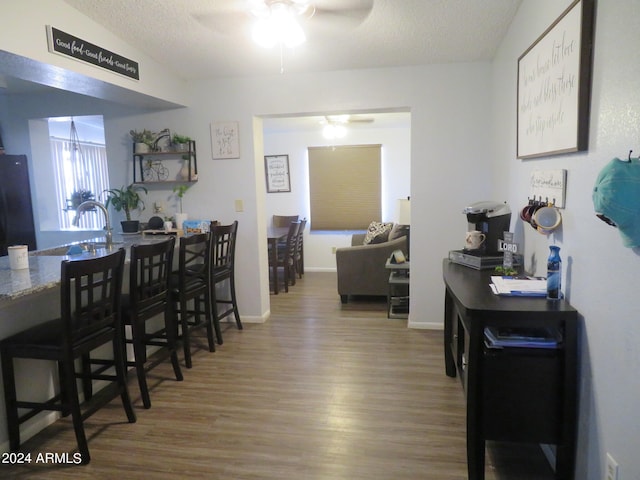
(342, 14)
(228, 20)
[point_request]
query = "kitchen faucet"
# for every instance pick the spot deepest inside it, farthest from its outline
(90, 204)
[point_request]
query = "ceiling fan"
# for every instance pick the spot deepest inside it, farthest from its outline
(345, 119)
(335, 125)
(236, 17)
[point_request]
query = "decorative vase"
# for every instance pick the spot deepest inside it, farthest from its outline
(180, 218)
(184, 171)
(142, 147)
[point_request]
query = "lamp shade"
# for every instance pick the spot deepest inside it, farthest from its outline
(403, 211)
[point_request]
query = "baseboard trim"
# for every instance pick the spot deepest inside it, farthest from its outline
(251, 318)
(425, 325)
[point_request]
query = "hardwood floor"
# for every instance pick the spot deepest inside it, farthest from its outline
(320, 391)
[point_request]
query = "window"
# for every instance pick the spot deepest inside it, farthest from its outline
(78, 166)
(345, 186)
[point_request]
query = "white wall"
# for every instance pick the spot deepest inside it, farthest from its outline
(449, 142)
(23, 33)
(396, 156)
(600, 275)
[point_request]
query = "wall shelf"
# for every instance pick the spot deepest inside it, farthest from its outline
(150, 168)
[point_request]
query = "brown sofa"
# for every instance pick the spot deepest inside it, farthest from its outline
(361, 268)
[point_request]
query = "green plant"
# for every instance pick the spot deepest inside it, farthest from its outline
(126, 198)
(145, 136)
(178, 139)
(180, 190)
(509, 272)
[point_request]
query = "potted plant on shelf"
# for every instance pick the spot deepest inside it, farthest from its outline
(180, 142)
(143, 141)
(127, 199)
(180, 190)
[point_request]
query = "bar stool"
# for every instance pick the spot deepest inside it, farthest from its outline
(190, 291)
(223, 247)
(148, 297)
(89, 318)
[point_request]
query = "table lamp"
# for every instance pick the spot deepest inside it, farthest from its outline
(403, 217)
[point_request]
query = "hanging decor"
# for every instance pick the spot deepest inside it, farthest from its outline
(80, 193)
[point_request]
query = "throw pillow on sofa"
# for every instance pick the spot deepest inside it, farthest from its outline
(377, 232)
(398, 231)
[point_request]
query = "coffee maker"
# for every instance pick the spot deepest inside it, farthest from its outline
(492, 219)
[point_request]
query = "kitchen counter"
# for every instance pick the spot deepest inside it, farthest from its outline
(44, 265)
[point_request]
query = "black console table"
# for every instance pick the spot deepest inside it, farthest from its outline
(513, 394)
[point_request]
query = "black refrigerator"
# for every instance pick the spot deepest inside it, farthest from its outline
(16, 213)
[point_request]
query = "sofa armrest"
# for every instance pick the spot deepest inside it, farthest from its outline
(357, 239)
(361, 269)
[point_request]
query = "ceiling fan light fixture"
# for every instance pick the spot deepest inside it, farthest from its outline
(332, 131)
(279, 26)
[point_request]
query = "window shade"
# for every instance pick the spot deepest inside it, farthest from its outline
(344, 186)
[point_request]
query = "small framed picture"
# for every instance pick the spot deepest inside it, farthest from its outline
(225, 140)
(277, 173)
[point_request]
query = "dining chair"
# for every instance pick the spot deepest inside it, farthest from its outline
(223, 247)
(90, 294)
(286, 257)
(149, 298)
(299, 257)
(190, 291)
(284, 220)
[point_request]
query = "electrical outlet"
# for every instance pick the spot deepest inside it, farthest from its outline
(333, 249)
(239, 204)
(611, 472)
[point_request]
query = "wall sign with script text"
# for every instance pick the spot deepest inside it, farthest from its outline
(225, 140)
(277, 173)
(554, 86)
(66, 44)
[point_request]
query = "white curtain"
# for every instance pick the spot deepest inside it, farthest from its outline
(79, 166)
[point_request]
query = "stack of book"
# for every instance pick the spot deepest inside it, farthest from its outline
(541, 337)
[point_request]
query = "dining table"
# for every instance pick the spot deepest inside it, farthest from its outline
(275, 235)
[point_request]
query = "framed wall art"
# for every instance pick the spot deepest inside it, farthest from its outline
(277, 173)
(554, 86)
(225, 140)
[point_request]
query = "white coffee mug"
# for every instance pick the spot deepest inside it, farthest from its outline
(18, 257)
(474, 239)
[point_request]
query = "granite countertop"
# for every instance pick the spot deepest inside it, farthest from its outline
(44, 265)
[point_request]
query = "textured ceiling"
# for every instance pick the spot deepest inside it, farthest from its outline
(207, 38)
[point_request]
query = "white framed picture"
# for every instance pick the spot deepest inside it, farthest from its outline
(225, 140)
(277, 173)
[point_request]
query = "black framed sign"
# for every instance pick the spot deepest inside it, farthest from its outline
(66, 44)
(277, 173)
(554, 86)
